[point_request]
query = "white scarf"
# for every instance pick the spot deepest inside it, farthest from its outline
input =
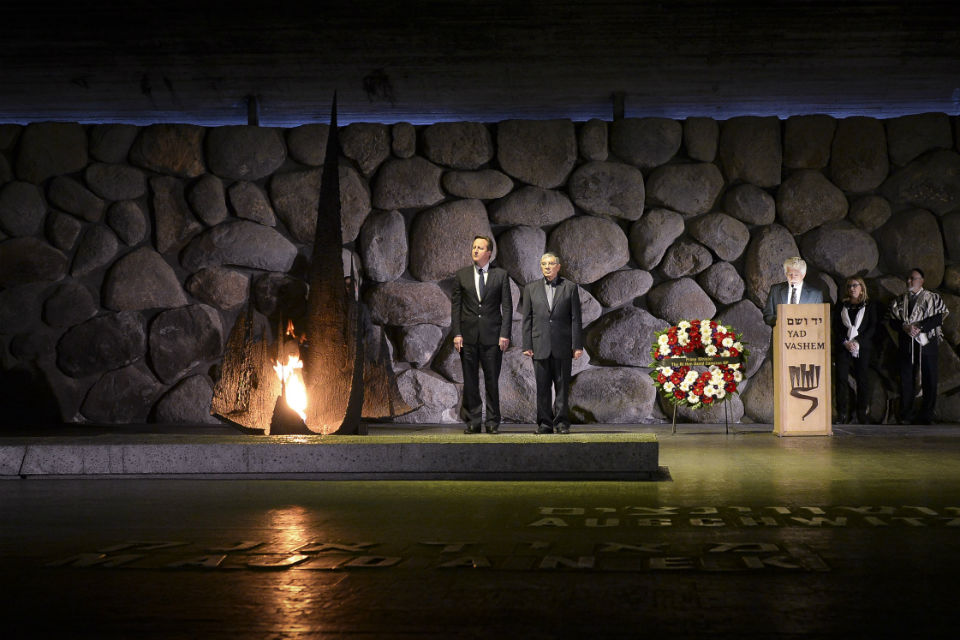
(852, 327)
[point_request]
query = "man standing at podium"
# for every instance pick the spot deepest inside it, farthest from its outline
(481, 314)
(793, 291)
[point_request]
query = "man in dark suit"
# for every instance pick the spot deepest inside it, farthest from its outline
(553, 337)
(793, 291)
(481, 311)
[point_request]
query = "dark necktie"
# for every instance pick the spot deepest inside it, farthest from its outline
(481, 283)
(551, 288)
(793, 295)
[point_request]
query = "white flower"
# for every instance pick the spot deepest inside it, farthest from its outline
(683, 339)
(667, 371)
(684, 386)
(734, 366)
(668, 386)
(709, 391)
(737, 376)
(738, 346)
(665, 350)
(711, 350)
(725, 353)
(705, 323)
(721, 393)
(728, 342)
(683, 324)
(663, 339)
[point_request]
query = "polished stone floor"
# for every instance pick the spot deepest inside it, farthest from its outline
(749, 535)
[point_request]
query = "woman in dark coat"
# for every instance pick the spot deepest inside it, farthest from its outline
(854, 323)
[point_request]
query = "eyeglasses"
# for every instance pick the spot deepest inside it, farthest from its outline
(853, 285)
(549, 264)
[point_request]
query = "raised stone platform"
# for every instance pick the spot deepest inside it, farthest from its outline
(514, 456)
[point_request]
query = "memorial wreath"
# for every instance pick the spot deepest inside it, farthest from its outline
(716, 349)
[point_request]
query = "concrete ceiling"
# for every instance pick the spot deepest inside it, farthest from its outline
(426, 61)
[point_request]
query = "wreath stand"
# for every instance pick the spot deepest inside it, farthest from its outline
(726, 420)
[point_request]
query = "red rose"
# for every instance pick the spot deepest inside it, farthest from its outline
(707, 400)
(680, 394)
(731, 387)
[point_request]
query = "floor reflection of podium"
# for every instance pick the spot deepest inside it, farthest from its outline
(801, 371)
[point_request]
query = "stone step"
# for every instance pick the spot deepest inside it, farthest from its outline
(586, 456)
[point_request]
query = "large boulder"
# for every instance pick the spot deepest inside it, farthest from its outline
(245, 152)
(870, 212)
(608, 189)
(685, 258)
(62, 230)
(183, 338)
(486, 184)
(26, 260)
(456, 223)
(459, 145)
(103, 343)
(142, 280)
(750, 150)
(652, 235)
(296, 196)
(307, 143)
(111, 143)
(758, 397)
(123, 396)
(96, 249)
(22, 209)
(725, 236)
(240, 243)
(589, 248)
(690, 189)
(807, 141)
(763, 265)
(72, 197)
(700, 138)
(220, 287)
(645, 142)
(116, 181)
(622, 287)
(518, 387)
(841, 249)
(929, 182)
(539, 152)
(625, 336)
(367, 144)
(807, 199)
(858, 158)
(722, 282)
(750, 204)
(173, 222)
(533, 206)
(250, 202)
(951, 235)
(910, 136)
(681, 299)
(417, 343)
(172, 149)
(612, 395)
(403, 141)
(519, 250)
(912, 239)
(128, 221)
(402, 303)
(208, 200)
(434, 399)
(383, 246)
(187, 402)
(49, 149)
(407, 183)
(593, 139)
(69, 305)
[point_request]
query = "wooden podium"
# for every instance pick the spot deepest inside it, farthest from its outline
(801, 371)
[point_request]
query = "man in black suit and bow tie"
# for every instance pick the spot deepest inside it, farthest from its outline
(481, 312)
(553, 337)
(793, 291)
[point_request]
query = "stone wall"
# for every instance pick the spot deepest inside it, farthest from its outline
(127, 252)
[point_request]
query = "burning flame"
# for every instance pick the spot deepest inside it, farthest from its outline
(295, 391)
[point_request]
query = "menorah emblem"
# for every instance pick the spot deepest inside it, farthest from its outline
(806, 377)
